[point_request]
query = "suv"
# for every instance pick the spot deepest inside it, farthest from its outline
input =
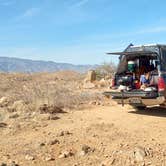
(134, 62)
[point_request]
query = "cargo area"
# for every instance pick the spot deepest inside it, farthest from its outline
(137, 73)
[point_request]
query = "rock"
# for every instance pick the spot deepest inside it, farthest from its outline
(3, 125)
(29, 157)
(43, 117)
(149, 152)
(4, 101)
(42, 144)
(13, 116)
(82, 153)
(13, 163)
(53, 117)
(3, 164)
(76, 164)
(86, 149)
(49, 158)
(91, 76)
(88, 85)
(53, 142)
(66, 154)
(139, 153)
(51, 109)
(63, 133)
(92, 103)
(18, 106)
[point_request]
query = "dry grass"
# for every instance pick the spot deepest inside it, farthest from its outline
(60, 89)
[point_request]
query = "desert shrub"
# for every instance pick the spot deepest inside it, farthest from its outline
(105, 70)
(58, 89)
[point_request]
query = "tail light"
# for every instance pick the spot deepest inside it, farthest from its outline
(161, 84)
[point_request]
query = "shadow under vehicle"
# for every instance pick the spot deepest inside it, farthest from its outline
(134, 62)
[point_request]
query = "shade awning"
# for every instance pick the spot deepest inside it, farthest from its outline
(148, 53)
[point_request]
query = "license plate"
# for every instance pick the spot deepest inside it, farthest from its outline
(135, 100)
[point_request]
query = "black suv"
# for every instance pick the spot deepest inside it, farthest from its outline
(134, 61)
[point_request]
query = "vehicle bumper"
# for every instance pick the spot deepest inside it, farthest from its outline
(141, 101)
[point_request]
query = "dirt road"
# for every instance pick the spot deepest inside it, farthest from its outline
(102, 135)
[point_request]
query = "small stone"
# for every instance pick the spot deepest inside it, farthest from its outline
(42, 144)
(86, 148)
(61, 156)
(3, 125)
(14, 115)
(66, 154)
(113, 161)
(139, 153)
(49, 158)
(28, 157)
(53, 117)
(63, 133)
(4, 101)
(3, 164)
(53, 142)
(82, 153)
(13, 163)
(75, 164)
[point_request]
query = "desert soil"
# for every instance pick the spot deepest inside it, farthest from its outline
(110, 134)
(50, 120)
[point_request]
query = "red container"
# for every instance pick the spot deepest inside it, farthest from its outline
(137, 85)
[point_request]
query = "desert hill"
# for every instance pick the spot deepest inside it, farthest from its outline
(8, 64)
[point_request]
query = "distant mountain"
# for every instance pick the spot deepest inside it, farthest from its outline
(29, 66)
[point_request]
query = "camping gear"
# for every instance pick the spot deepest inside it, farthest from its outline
(131, 66)
(137, 84)
(150, 89)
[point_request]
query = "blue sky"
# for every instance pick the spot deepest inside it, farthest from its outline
(78, 31)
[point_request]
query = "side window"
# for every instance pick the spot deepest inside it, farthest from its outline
(163, 60)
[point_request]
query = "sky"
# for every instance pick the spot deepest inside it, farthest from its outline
(78, 31)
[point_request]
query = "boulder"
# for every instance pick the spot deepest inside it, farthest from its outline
(91, 76)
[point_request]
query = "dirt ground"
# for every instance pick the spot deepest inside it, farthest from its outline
(111, 133)
(97, 134)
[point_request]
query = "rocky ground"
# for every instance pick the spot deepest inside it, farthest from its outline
(97, 132)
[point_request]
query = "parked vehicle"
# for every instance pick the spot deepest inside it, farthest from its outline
(141, 76)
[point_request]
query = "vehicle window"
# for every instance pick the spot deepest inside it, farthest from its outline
(163, 60)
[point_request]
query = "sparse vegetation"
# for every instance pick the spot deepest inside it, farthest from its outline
(60, 89)
(106, 70)
(37, 129)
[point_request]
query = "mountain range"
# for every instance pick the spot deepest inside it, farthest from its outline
(8, 64)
